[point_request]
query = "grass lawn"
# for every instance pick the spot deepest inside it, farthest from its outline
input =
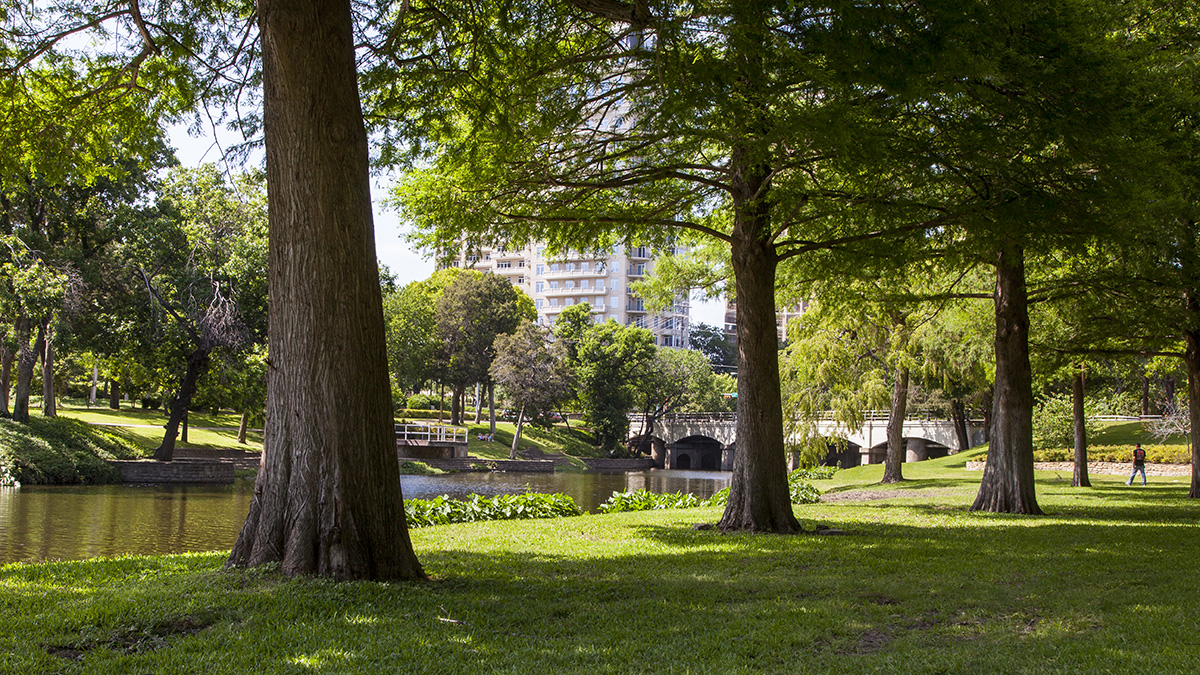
(149, 437)
(554, 440)
(1107, 582)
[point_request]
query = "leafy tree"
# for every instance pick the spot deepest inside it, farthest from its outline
(671, 381)
(715, 345)
(534, 371)
(471, 311)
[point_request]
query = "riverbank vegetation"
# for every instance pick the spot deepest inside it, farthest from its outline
(1104, 582)
(62, 451)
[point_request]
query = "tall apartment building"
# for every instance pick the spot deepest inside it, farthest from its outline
(782, 316)
(601, 279)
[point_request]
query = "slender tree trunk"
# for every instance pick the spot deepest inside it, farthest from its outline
(114, 394)
(197, 362)
(1192, 358)
(26, 360)
(183, 426)
(1080, 477)
(327, 500)
(441, 402)
(1145, 395)
(512, 453)
(958, 414)
(456, 412)
(1007, 485)
(242, 426)
(95, 381)
(893, 471)
(492, 407)
(49, 405)
(6, 361)
(478, 404)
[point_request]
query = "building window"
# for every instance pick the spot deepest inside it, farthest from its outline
(554, 285)
(520, 279)
(553, 267)
(570, 267)
(504, 264)
(538, 303)
(614, 284)
(539, 286)
(553, 302)
(541, 252)
(614, 301)
(569, 284)
(584, 266)
(541, 269)
(521, 263)
(668, 324)
(568, 302)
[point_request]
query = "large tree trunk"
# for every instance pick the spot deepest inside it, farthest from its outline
(894, 462)
(114, 394)
(1007, 485)
(197, 362)
(958, 414)
(1080, 477)
(27, 357)
(6, 361)
(327, 499)
(49, 405)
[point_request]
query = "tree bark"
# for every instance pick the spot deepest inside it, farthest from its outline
(893, 471)
(114, 394)
(758, 496)
(27, 357)
(6, 361)
(49, 405)
(327, 500)
(478, 404)
(1192, 357)
(512, 453)
(1007, 485)
(456, 395)
(197, 362)
(1080, 477)
(492, 407)
(95, 381)
(242, 426)
(958, 414)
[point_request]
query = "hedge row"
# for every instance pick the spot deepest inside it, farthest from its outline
(444, 510)
(1155, 454)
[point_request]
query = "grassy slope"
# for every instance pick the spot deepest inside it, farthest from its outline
(148, 438)
(555, 440)
(1106, 582)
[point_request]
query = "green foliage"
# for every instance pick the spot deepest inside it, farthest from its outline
(643, 500)
(411, 468)
(55, 451)
(423, 402)
(444, 510)
(1120, 454)
(1054, 422)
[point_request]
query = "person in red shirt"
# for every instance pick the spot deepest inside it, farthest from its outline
(1139, 464)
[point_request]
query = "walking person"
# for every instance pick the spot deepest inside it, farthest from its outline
(1139, 464)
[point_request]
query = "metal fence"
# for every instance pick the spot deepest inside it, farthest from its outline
(431, 433)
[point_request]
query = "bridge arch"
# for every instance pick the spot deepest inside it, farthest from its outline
(697, 452)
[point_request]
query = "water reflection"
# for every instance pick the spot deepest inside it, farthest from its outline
(48, 523)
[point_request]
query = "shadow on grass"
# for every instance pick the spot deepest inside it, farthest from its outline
(925, 591)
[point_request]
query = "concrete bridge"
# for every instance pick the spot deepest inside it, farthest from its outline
(709, 440)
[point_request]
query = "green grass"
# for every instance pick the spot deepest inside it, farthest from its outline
(557, 439)
(1105, 583)
(151, 437)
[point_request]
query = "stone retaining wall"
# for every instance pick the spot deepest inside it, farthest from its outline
(619, 464)
(195, 471)
(1105, 468)
(481, 464)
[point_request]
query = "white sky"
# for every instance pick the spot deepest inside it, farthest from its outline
(405, 263)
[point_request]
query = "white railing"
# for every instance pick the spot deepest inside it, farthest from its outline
(431, 433)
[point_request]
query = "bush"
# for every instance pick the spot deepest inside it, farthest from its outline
(444, 510)
(423, 402)
(1155, 454)
(642, 500)
(1054, 422)
(50, 451)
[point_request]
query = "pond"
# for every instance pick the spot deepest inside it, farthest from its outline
(50, 523)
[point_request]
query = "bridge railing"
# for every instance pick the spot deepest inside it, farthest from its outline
(826, 416)
(688, 417)
(431, 433)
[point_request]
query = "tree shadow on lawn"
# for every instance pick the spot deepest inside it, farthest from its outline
(942, 596)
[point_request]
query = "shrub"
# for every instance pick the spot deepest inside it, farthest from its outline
(1054, 422)
(1155, 454)
(642, 500)
(423, 402)
(410, 468)
(444, 510)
